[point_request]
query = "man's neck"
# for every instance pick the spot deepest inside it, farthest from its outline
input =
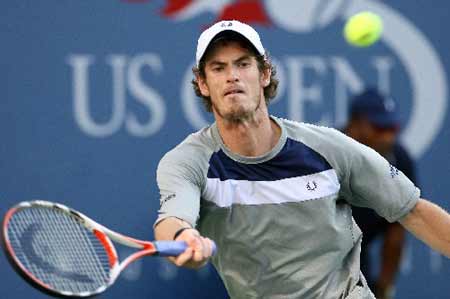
(251, 137)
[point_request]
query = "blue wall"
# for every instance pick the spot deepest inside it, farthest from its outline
(95, 92)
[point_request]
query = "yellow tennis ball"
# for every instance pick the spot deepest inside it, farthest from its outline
(363, 29)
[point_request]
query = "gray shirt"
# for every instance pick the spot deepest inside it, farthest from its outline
(282, 221)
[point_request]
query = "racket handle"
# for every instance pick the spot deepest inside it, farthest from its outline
(214, 248)
(175, 248)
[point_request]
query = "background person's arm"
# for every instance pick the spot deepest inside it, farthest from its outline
(391, 253)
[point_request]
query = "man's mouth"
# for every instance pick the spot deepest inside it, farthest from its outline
(233, 91)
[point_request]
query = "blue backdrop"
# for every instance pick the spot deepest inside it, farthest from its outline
(95, 92)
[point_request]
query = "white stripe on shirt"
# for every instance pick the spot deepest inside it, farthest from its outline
(296, 189)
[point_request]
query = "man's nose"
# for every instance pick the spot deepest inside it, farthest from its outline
(232, 74)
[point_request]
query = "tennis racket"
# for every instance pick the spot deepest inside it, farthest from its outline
(64, 253)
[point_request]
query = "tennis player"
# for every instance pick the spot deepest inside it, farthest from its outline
(275, 194)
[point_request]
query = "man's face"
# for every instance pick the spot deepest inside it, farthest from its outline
(233, 82)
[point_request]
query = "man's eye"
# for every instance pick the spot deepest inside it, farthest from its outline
(243, 64)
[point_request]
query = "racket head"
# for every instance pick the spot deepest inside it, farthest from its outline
(58, 250)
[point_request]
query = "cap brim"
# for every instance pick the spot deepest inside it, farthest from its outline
(385, 120)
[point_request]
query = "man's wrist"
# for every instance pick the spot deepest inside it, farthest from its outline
(180, 231)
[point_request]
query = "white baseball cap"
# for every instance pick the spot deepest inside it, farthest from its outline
(243, 29)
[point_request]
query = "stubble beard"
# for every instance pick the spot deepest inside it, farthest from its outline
(239, 115)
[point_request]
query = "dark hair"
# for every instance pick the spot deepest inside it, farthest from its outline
(263, 61)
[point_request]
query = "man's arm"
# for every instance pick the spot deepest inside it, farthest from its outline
(391, 253)
(166, 229)
(199, 248)
(431, 224)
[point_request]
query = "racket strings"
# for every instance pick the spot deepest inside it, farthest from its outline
(58, 251)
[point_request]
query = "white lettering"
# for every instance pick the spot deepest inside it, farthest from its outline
(298, 92)
(383, 65)
(146, 96)
(345, 78)
(80, 66)
(121, 78)
(191, 104)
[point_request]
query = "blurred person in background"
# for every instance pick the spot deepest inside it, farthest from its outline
(374, 121)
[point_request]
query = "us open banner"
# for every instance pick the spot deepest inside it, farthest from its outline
(95, 92)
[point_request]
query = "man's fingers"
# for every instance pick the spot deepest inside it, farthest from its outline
(209, 246)
(184, 257)
(203, 249)
(198, 252)
(206, 247)
(198, 247)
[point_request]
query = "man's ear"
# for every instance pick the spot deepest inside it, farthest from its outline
(204, 89)
(265, 77)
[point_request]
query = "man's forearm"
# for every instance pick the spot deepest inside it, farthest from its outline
(431, 224)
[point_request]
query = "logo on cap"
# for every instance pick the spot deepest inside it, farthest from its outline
(226, 24)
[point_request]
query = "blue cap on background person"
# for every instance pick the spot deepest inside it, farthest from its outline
(379, 109)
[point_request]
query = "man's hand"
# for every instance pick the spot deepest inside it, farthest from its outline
(199, 249)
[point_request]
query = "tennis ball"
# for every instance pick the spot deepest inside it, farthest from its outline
(363, 29)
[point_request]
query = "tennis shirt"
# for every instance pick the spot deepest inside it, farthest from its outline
(282, 221)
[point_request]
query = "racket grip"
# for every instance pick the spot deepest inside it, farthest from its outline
(175, 248)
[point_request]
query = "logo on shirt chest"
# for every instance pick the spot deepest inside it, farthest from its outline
(311, 186)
